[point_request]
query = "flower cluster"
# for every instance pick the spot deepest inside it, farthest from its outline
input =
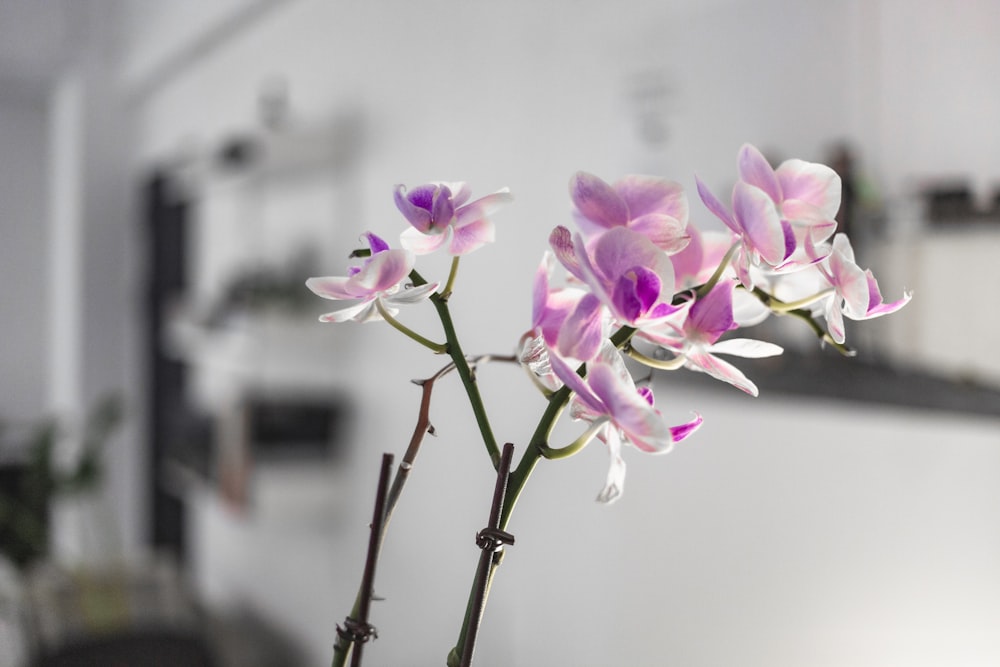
(640, 281)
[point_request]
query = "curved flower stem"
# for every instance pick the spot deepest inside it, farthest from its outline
(719, 270)
(788, 306)
(660, 364)
(575, 446)
(781, 308)
(452, 274)
(437, 348)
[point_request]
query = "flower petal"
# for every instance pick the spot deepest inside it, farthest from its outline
(817, 184)
(361, 311)
(712, 315)
(756, 171)
(721, 370)
(420, 243)
(597, 201)
(576, 384)
(644, 195)
(748, 348)
(581, 335)
(417, 215)
(482, 207)
(411, 294)
(757, 216)
(470, 236)
(716, 207)
(641, 423)
(615, 482)
(334, 287)
(667, 232)
(383, 271)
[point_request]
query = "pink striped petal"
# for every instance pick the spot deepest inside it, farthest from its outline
(721, 370)
(757, 216)
(471, 236)
(666, 232)
(644, 195)
(597, 201)
(581, 335)
(755, 170)
(482, 207)
(716, 207)
(813, 183)
(334, 287)
(420, 243)
(383, 271)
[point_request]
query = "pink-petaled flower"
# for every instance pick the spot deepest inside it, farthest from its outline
(377, 281)
(763, 236)
(630, 275)
(806, 194)
(856, 294)
(569, 319)
(442, 216)
(697, 339)
(654, 207)
(621, 413)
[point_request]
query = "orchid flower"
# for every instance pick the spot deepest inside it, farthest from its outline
(376, 285)
(762, 234)
(856, 294)
(630, 275)
(654, 207)
(442, 216)
(562, 319)
(619, 414)
(569, 319)
(696, 342)
(806, 194)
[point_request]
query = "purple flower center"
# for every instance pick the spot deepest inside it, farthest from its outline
(423, 196)
(635, 292)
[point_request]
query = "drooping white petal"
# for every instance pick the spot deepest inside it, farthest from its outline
(423, 244)
(411, 294)
(614, 484)
(721, 370)
(748, 348)
(361, 311)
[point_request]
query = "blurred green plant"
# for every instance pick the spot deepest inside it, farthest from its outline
(28, 485)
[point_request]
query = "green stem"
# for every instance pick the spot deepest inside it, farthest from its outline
(535, 450)
(660, 364)
(575, 446)
(450, 285)
(719, 270)
(454, 350)
(437, 348)
(781, 308)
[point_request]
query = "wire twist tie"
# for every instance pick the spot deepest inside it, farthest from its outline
(356, 631)
(493, 539)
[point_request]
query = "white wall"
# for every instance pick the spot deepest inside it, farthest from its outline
(24, 256)
(834, 536)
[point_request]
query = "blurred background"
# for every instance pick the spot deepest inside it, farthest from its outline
(188, 458)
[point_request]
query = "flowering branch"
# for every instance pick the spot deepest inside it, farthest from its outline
(634, 266)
